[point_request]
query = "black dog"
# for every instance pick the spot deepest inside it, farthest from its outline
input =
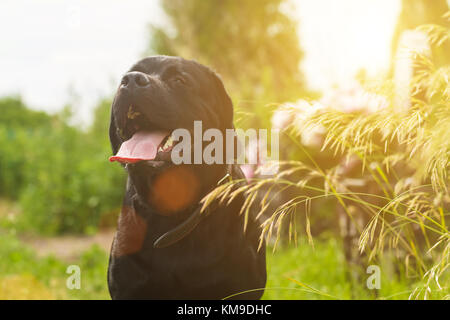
(164, 247)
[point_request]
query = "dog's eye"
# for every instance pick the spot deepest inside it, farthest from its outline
(179, 79)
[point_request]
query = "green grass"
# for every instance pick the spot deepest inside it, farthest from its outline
(293, 273)
(321, 268)
(321, 272)
(25, 276)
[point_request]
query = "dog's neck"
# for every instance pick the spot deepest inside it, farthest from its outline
(190, 217)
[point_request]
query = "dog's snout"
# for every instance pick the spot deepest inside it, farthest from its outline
(135, 79)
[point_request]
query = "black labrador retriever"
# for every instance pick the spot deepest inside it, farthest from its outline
(165, 247)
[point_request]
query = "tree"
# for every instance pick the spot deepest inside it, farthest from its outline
(253, 45)
(14, 114)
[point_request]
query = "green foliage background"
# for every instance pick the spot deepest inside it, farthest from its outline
(58, 173)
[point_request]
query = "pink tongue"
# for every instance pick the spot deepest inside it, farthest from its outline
(141, 146)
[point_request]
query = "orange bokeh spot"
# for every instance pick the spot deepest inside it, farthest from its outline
(174, 189)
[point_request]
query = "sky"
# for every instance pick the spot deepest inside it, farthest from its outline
(55, 52)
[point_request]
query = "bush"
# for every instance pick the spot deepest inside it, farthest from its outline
(60, 174)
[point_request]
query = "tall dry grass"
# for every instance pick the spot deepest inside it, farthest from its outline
(402, 154)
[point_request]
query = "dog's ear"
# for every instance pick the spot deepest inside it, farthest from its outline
(225, 105)
(225, 109)
(113, 135)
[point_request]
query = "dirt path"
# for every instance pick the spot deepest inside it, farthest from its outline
(63, 247)
(69, 247)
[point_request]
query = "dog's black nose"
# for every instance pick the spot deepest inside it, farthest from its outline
(135, 79)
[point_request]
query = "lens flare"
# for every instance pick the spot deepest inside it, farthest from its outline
(174, 190)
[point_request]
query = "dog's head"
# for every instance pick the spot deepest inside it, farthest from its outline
(156, 96)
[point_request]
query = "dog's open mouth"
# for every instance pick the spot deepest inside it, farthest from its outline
(152, 146)
(145, 146)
